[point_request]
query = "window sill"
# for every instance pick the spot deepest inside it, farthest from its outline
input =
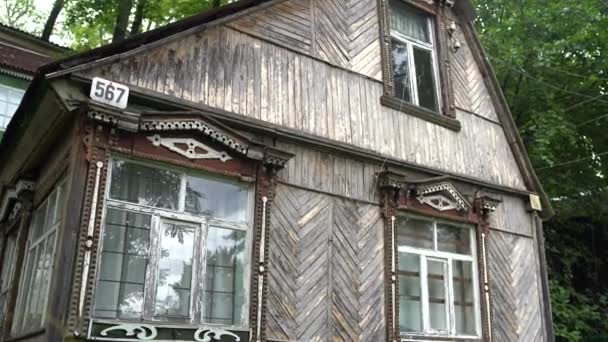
(405, 337)
(421, 113)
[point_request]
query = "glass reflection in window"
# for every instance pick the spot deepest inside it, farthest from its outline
(175, 271)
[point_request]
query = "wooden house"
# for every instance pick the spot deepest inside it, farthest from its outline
(299, 170)
(21, 54)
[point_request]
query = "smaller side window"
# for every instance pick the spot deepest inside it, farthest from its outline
(413, 52)
(437, 279)
(6, 277)
(30, 311)
(9, 101)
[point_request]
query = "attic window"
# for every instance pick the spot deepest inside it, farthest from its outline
(415, 62)
(413, 56)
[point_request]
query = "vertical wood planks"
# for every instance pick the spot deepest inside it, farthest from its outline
(254, 78)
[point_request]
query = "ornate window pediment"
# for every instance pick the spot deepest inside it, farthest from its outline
(204, 130)
(442, 197)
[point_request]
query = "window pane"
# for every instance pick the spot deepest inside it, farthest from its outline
(401, 71)
(114, 238)
(111, 266)
(175, 271)
(106, 299)
(425, 79)
(437, 295)
(135, 268)
(46, 261)
(464, 308)
(453, 239)
(224, 283)
(415, 233)
(409, 21)
(410, 310)
(145, 185)
(131, 301)
(33, 292)
(8, 264)
(60, 204)
(123, 265)
(216, 198)
(138, 241)
(50, 212)
(38, 226)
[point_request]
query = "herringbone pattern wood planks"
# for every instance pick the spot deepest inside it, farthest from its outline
(342, 32)
(515, 294)
(364, 38)
(470, 92)
(325, 269)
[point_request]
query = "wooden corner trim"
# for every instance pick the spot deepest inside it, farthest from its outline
(421, 113)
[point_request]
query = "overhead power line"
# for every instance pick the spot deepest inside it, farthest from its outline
(572, 161)
(523, 72)
(592, 120)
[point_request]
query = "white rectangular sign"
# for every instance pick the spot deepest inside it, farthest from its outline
(110, 93)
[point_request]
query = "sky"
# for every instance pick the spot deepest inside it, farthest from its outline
(44, 6)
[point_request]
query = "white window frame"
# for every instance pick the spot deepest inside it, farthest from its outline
(3, 114)
(435, 254)
(36, 246)
(180, 216)
(410, 43)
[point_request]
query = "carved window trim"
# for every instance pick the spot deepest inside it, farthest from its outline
(252, 161)
(399, 194)
(446, 115)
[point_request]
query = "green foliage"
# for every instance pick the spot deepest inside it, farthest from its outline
(549, 57)
(91, 22)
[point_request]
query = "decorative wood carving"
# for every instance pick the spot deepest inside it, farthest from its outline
(215, 334)
(399, 192)
(12, 195)
(442, 197)
(193, 124)
(89, 241)
(189, 148)
(141, 331)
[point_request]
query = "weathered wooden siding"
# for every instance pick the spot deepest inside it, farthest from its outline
(235, 72)
(470, 92)
(346, 177)
(344, 33)
(512, 216)
(326, 273)
(516, 299)
(326, 172)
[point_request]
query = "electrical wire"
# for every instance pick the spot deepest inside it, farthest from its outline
(527, 74)
(592, 120)
(572, 161)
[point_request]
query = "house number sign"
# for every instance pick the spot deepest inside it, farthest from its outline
(110, 93)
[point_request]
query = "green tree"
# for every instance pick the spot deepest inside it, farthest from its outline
(92, 23)
(550, 59)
